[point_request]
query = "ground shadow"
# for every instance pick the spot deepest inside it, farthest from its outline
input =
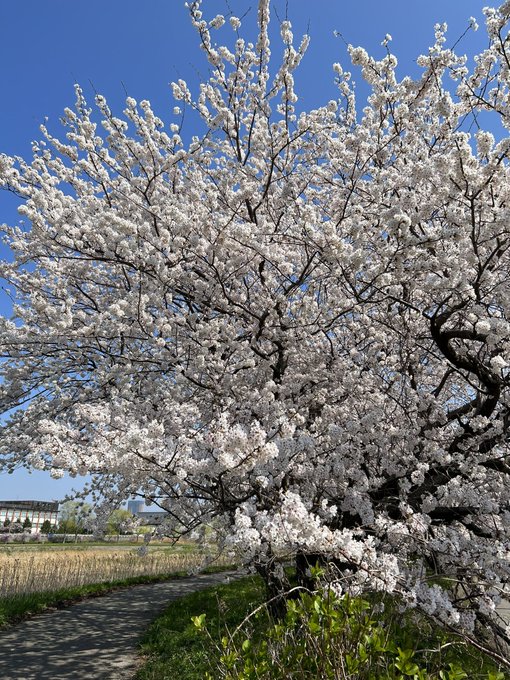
(94, 639)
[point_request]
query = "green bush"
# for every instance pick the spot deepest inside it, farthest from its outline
(324, 636)
(171, 647)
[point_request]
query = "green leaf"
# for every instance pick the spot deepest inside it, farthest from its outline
(199, 621)
(405, 654)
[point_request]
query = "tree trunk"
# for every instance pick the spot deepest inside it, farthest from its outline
(277, 587)
(304, 564)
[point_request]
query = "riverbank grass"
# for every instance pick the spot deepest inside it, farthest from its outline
(172, 646)
(19, 607)
(184, 644)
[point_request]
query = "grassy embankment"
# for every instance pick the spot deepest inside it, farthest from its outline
(34, 580)
(173, 648)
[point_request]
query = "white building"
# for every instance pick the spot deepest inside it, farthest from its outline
(37, 513)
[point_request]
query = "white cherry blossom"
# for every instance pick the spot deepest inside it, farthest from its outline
(296, 328)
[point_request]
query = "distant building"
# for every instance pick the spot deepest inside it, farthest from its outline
(37, 513)
(146, 517)
(151, 518)
(135, 507)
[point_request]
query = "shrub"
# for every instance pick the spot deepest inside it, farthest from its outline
(324, 636)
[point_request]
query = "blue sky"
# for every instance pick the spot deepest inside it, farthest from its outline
(125, 46)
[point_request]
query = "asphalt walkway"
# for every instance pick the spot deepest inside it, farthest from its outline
(95, 639)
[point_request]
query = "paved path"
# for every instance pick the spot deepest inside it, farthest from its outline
(92, 640)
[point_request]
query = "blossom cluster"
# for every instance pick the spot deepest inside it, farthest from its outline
(295, 329)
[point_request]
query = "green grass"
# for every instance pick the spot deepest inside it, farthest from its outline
(435, 647)
(173, 648)
(17, 608)
(180, 548)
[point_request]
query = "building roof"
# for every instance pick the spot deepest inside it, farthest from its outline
(42, 506)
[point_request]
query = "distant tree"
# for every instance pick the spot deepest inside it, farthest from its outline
(75, 518)
(17, 526)
(7, 522)
(46, 527)
(27, 524)
(119, 522)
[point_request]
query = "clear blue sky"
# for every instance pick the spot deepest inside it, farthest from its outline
(119, 46)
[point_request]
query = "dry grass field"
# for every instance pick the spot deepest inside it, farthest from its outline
(30, 571)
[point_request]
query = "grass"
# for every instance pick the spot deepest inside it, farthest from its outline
(25, 572)
(180, 546)
(16, 608)
(434, 645)
(173, 648)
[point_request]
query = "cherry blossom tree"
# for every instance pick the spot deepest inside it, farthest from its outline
(295, 328)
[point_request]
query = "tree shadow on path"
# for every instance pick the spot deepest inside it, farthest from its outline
(95, 639)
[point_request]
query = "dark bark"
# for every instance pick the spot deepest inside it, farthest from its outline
(332, 568)
(304, 563)
(277, 587)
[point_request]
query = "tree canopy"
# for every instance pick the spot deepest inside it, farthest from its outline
(295, 327)
(75, 517)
